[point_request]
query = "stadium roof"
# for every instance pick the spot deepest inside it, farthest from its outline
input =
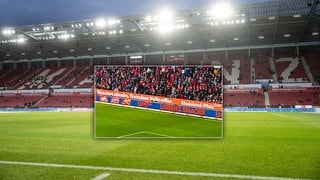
(255, 25)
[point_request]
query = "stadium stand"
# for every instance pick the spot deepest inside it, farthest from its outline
(20, 100)
(66, 100)
(243, 98)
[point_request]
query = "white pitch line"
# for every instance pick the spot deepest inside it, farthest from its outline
(130, 134)
(280, 115)
(101, 176)
(151, 171)
(159, 134)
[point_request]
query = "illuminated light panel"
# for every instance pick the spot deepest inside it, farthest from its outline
(72, 50)
(39, 52)
(147, 45)
(253, 19)
(127, 46)
(297, 15)
(286, 35)
(189, 42)
(236, 39)
(260, 37)
(212, 40)
(315, 33)
(89, 49)
(108, 47)
(168, 43)
(55, 51)
(271, 18)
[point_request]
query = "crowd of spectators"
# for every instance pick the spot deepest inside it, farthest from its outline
(201, 83)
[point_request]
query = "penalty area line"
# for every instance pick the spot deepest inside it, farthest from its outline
(150, 171)
(101, 176)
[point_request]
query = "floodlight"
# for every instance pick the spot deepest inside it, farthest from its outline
(222, 10)
(100, 23)
(165, 27)
(148, 18)
(165, 15)
(8, 31)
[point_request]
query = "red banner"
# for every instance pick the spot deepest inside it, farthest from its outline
(150, 98)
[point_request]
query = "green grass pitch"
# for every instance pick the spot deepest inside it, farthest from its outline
(125, 122)
(255, 144)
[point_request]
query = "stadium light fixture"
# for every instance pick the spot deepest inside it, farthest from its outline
(165, 21)
(165, 28)
(165, 15)
(222, 10)
(8, 32)
(21, 40)
(66, 36)
(100, 22)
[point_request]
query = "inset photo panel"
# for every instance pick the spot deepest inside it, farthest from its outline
(159, 101)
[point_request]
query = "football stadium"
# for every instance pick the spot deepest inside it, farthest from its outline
(227, 91)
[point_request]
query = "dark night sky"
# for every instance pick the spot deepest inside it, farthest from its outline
(30, 12)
